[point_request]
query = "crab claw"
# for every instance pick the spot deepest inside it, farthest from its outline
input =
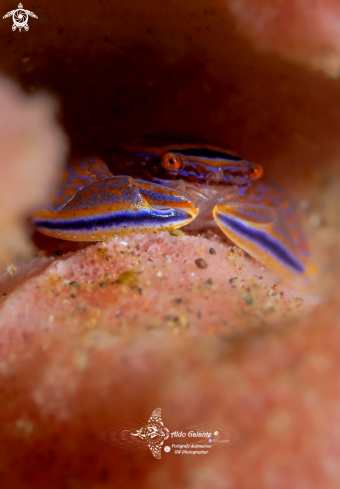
(265, 233)
(116, 206)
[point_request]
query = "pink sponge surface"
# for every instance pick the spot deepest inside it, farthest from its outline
(103, 336)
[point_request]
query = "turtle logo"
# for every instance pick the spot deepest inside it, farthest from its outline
(20, 18)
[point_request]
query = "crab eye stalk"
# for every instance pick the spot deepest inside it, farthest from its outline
(171, 162)
(256, 171)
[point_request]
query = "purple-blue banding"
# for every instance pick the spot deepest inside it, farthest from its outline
(118, 219)
(159, 198)
(201, 170)
(210, 154)
(268, 243)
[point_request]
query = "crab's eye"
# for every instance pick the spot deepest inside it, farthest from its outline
(256, 171)
(171, 161)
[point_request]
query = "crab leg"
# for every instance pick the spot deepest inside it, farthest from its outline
(100, 205)
(264, 224)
